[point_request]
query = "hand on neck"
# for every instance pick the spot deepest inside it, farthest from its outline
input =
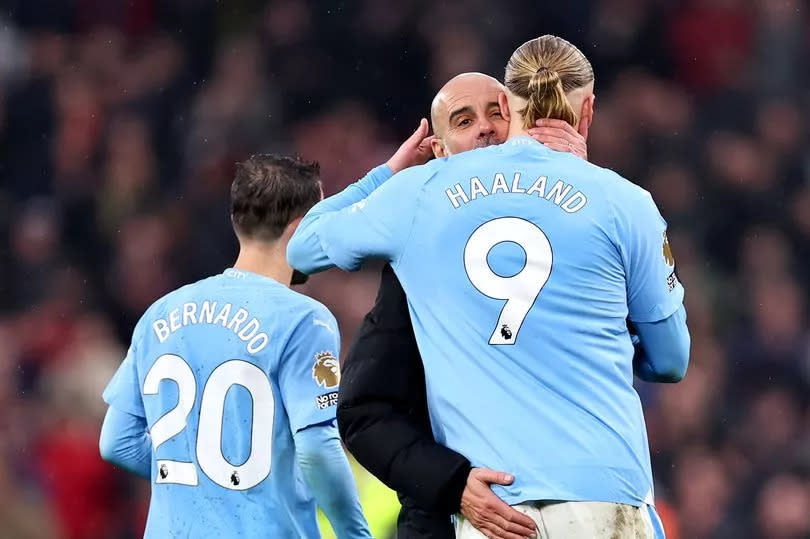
(265, 258)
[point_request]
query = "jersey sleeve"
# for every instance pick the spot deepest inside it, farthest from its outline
(309, 370)
(125, 442)
(663, 352)
(653, 289)
(123, 392)
(376, 226)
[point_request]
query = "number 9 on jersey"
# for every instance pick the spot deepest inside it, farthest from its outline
(521, 289)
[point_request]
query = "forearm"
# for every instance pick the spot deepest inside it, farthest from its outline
(305, 251)
(327, 472)
(662, 352)
(356, 191)
(125, 442)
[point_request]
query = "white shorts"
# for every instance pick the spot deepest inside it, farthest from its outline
(580, 520)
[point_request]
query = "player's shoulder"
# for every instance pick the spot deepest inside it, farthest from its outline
(470, 157)
(434, 165)
(160, 307)
(307, 318)
(304, 306)
(618, 189)
(468, 162)
(628, 204)
(421, 172)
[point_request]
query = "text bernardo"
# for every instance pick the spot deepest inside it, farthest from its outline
(559, 194)
(207, 313)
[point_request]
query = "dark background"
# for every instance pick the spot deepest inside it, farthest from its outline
(120, 122)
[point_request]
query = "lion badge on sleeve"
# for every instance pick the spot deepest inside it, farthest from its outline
(326, 370)
(668, 258)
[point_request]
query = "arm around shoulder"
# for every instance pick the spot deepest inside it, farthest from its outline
(306, 252)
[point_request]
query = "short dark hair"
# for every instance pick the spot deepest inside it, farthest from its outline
(269, 191)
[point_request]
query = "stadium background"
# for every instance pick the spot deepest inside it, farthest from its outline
(120, 121)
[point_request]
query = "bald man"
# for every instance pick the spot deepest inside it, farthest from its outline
(465, 115)
(382, 408)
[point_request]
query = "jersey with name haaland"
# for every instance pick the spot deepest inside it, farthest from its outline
(225, 370)
(521, 266)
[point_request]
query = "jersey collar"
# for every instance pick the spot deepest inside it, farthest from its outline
(522, 140)
(243, 275)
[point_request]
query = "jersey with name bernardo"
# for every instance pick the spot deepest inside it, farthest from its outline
(521, 266)
(225, 371)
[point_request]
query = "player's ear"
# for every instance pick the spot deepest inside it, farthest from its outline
(437, 145)
(586, 116)
(503, 104)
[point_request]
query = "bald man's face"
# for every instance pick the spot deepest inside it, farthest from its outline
(466, 115)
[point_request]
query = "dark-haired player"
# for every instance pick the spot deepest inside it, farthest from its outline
(226, 398)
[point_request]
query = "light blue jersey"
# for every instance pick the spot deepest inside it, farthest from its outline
(521, 266)
(225, 371)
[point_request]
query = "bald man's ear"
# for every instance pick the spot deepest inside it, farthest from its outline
(437, 145)
(503, 104)
(586, 116)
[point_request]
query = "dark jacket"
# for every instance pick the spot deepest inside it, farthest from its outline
(383, 418)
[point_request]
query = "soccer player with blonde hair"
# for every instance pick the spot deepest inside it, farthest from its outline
(522, 266)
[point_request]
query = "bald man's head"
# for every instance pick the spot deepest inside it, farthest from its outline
(465, 114)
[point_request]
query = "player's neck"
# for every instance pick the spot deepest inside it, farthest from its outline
(516, 129)
(267, 259)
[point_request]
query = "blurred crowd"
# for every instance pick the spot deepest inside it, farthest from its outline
(121, 120)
